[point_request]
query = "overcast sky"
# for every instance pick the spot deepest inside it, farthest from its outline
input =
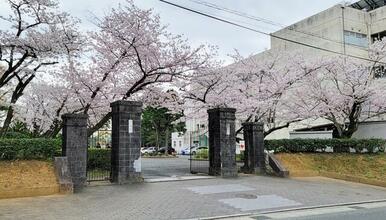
(199, 29)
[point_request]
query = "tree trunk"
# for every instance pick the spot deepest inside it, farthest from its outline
(9, 117)
(54, 129)
(16, 94)
(166, 141)
(7, 121)
(353, 121)
(157, 138)
(99, 125)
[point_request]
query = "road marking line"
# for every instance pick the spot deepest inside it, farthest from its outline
(303, 213)
(372, 205)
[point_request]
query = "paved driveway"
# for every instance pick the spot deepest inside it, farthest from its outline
(189, 199)
(165, 167)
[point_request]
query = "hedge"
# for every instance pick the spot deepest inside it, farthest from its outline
(320, 145)
(29, 148)
(43, 149)
(98, 158)
(202, 154)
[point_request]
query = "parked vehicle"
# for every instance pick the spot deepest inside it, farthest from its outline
(170, 150)
(185, 151)
(149, 150)
(197, 149)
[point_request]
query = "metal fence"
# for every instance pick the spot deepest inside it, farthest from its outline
(100, 139)
(98, 164)
(98, 175)
(199, 166)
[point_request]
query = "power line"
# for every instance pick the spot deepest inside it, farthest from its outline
(265, 33)
(241, 14)
(267, 21)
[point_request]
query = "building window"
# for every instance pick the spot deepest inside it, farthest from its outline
(174, 143)
(378, 36)
(180, 142)
(380, 72)
(356, 39)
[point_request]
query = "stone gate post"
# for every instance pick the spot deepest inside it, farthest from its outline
(222, 142)
(74, 147)
(126, 142)
(254, 148)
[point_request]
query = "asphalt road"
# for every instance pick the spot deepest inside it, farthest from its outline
(368, 214)
(366, 211)
(165, 167)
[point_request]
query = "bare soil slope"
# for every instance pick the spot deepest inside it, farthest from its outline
(364, 168)
(27, 178)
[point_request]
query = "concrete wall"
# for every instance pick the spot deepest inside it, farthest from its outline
(374, 129)
(325, 30)
(311, 135)
(377, 19)
(371, 130)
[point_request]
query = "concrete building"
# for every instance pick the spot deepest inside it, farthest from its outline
(345, 29)
(196, 135)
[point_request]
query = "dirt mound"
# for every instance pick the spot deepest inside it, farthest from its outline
(366, 168)
(27, 178)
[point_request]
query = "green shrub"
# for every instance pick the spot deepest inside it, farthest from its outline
(202, 154)
(240, 157)
(29, 148)
(99, 159)
(15, 134)
(320, 145)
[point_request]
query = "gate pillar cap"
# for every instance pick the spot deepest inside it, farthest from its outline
(253, 124)
(126, 103)
(232, 110)
(259, 126)
(71, 115)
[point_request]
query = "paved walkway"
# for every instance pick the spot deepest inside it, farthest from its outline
(189, 199)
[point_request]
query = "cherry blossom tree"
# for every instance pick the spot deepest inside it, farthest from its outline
(42, 106)
(259, 87)
(131, 56)
(134, 53)
(38, 37)
(346, 91)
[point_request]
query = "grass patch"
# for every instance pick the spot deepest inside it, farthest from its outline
(367, 166)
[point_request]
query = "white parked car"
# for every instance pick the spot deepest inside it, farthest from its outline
(194, 150)
(185, 151)
(149, 150)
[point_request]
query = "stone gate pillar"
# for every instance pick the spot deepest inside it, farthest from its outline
(222, 142)
(74, 147)
(126, 142)
(254, 162)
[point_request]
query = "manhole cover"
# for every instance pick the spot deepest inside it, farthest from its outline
(246, 196)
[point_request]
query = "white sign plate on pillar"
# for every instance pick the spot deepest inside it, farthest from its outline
(137, 165)
(130, 126)
(228, 129)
